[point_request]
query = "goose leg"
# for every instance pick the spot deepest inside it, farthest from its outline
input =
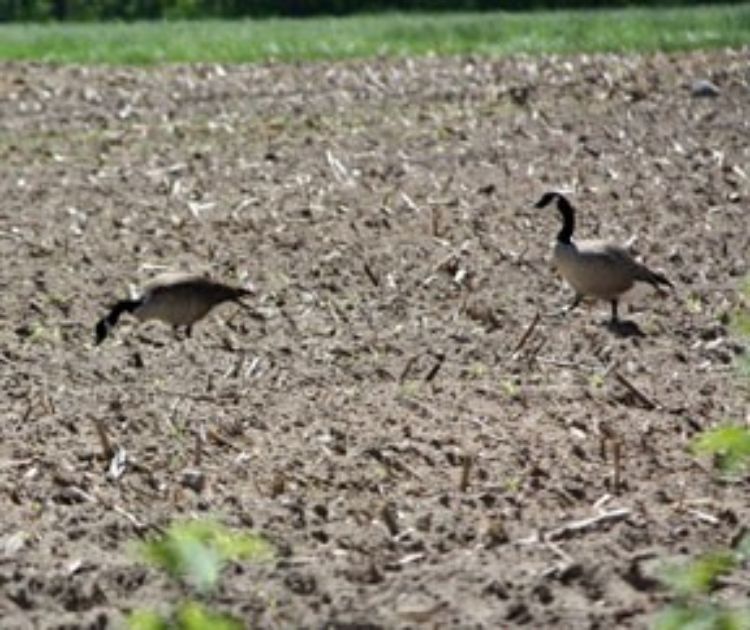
(615, 318)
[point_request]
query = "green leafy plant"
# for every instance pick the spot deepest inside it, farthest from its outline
(692, 584)
(195, 552)
(704, 617)
(190, 616)
(741, 323)
(700, 575)
(729, 445)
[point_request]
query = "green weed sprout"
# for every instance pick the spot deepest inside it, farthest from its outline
(197, 551)
(701, 575)
(190, 616)
(692, 585)
(705, 617)
(729, 445)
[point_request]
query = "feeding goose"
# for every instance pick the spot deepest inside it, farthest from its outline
(598, 269)
(179, 299)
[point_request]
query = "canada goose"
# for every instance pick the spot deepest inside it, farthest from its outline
(598, 269)
(179, 299)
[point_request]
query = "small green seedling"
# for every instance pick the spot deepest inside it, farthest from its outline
(476, 370)
(693, 303)
(510, 388)
(409, 389)
(596, 380)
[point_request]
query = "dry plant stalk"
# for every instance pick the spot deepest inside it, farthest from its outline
(101, 431)
(646, 400)
(407, 368)
(200, 438)
(467, 464)
(371, 274)
(436, 221)
(290, 320)
(440, 359)
(390, 518)
(534, 351)
(611, 437)
(49, 406)
(616, 465)
(575, 527)
(527, 333)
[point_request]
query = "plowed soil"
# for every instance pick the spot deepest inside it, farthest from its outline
(424, 438)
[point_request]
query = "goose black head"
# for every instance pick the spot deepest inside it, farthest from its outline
(105, 325)
(102, 330)
(567, 211)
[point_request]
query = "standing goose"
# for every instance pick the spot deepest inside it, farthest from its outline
(599, 269)
(179, 299)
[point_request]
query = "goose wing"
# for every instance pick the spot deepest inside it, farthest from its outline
(608, 253)
(597, 268)
(182, 299)
(615, 267)
(639, 272)
(173, 278)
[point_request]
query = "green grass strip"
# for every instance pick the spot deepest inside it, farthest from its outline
(390, 34)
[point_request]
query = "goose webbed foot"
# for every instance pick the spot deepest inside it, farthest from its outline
(623, 328)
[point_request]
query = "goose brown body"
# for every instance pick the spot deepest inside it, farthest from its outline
(178, 299)
(595, 268)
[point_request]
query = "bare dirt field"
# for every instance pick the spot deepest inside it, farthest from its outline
(415, 458)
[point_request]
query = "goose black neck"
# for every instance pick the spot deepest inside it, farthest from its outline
(123, 306)
(106, 324)
(568, 220)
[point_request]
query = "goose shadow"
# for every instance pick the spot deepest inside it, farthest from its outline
(625, 328)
